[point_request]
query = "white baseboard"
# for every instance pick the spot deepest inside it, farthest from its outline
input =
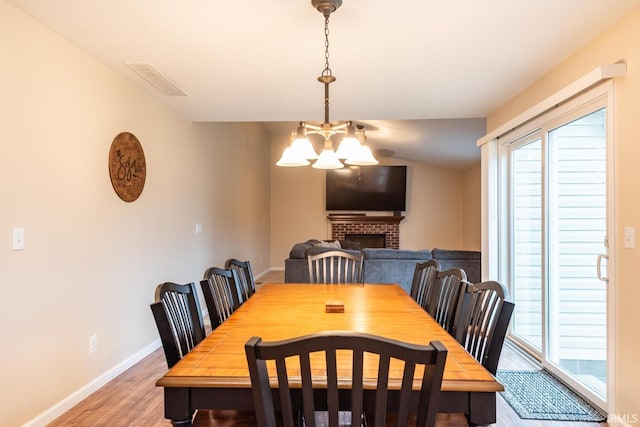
(77, 396)
(267, 271)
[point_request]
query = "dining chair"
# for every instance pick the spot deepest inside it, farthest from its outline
(176, 311)
(482, 322)
(220, 289)
(307, 368)
(246, 282)
(444, 300)
(423, 282)
(335, 267)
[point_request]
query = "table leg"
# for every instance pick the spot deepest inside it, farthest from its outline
(482, 409)
(177, 407)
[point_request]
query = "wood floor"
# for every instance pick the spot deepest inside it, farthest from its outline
(132, 399)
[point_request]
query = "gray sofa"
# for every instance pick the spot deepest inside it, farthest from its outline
(382, 265)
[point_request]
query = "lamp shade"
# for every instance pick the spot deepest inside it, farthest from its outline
(328, 160)
(348, 147)
(302, 147)
(363, 157)
(291, 159)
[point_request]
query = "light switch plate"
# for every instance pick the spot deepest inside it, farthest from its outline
(630, 237)
(17, 243)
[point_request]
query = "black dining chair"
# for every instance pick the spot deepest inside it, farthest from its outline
(177, 314)
(318, 396)
(423, 283)
(246, 283)
(221, 294)
(332, 267)
(482, 322)
(445, 298)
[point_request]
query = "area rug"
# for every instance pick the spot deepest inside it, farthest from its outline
(536, 395)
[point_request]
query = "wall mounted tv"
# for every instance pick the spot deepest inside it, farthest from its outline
(367, 188)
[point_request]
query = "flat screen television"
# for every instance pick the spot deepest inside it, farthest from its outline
(367, 188)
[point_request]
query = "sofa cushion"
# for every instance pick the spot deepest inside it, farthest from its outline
(329, 244)
(384, 253)
(319, 249)
(299, 249)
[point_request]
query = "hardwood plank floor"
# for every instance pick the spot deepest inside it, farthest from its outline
(132, 399)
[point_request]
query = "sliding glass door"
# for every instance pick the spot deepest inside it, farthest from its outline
(577, 234)
(558, 247)
(527, 321)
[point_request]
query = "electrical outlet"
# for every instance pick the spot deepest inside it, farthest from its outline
(17, 243)
(93, 343)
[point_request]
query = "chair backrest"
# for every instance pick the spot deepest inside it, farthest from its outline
(444, 300)
(335, 267)
(424, 278)
(176, 311)
(220, 289)
(482, 322)
(305, 355)
(245, 277)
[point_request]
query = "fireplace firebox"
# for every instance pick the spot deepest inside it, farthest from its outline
(367, 240)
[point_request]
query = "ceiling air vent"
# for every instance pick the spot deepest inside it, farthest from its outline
(155, 78)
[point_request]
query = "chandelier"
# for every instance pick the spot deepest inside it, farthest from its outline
(352, 149)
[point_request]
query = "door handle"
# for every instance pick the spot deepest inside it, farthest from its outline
(599, 268)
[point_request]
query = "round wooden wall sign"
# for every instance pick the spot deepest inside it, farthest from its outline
(127, 166)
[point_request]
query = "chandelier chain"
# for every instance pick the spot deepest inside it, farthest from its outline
(327, 70)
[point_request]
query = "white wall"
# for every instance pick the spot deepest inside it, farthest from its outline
(91, 261)
(472, 212)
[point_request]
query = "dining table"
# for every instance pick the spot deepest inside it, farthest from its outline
(214, 375)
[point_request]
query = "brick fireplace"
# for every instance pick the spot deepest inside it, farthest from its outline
(366, 227)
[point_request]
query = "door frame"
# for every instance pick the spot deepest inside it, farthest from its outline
(601, 94)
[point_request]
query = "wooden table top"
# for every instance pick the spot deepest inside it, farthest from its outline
(280, 311)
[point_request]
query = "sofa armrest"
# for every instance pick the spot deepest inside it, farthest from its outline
(296, 270)
(469, 261)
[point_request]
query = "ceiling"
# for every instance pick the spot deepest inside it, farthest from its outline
(420, 74)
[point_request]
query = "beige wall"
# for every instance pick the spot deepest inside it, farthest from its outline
(91, 261)
(471, 226)
(620, 42)
(438, 212)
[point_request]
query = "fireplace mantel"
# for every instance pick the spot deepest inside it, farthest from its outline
(362, 218)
